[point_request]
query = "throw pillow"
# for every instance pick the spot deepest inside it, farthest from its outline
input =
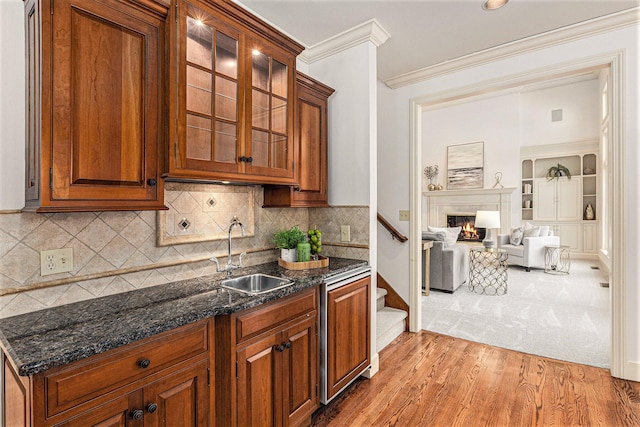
(532, 232)
(544, 230)
(451, 232)
(439, 237)
(515, 238)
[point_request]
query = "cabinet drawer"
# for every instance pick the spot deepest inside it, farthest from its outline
(80, 381)
(251, 323)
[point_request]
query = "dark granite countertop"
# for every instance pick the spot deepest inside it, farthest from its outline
(44, 339)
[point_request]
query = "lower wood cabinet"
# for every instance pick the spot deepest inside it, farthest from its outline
(348, 333)
(273, 352)
(163, 380)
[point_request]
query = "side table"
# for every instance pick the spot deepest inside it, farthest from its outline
(557, 259)
(488, 271)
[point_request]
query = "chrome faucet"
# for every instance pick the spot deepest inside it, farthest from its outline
(230, 265)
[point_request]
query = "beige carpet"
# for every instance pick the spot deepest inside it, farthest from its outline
(562, 317)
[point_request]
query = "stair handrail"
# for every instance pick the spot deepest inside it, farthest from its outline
(395, 234)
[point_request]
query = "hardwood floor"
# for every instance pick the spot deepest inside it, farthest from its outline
(428, 379)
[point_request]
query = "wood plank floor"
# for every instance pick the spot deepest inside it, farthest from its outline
(428, 379)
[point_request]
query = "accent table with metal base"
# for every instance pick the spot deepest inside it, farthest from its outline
(488, 271)
(557, 259)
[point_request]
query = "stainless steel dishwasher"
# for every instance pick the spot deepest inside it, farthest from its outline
(332, 283)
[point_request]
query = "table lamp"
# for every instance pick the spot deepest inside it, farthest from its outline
(488, 220)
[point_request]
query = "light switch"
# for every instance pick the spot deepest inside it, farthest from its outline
(404, 215)
(345, 233)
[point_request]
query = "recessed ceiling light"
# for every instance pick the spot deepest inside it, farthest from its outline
(494, 4)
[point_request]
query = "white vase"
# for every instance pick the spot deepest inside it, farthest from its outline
(290, 255)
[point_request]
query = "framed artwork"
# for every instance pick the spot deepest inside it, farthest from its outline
(465, 166)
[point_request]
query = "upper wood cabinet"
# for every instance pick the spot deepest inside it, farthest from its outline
(310, 149)
(94, 92)
(231, 92)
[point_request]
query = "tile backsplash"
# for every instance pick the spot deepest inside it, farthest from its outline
(117, 252)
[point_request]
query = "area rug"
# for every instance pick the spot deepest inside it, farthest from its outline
(562, 317)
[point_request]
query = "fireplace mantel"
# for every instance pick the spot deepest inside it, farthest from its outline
(472, 192)
(440, 203)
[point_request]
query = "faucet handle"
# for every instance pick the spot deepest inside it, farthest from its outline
(214, 259)
(242, 255)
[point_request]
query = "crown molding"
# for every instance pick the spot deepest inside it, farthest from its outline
(551, 38)
(370, 30)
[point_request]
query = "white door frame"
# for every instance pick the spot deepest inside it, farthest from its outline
(619, 366)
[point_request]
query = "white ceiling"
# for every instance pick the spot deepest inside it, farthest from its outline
(428, 32)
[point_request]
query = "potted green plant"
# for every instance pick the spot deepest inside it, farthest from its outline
(558, 171)
(287, 241)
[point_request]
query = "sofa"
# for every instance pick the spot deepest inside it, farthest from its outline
(448, 262)
(529, 252)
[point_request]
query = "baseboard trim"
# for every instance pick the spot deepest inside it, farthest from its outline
(374, 368)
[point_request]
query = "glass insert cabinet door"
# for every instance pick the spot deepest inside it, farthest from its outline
(270, 94)
(211, 93)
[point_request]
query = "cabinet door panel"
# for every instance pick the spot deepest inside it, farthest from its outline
(590, 241)
(301, 370)
(569, 199)
(348, 333)
(260, 383)
(570, 235)
(116, 413)
(182, 399)
(544, 200)
(105, 128)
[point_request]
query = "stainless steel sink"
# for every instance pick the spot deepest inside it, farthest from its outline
(255, 283)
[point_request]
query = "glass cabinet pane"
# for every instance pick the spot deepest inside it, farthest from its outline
(226, 99)
(199, 42)
(198, 90)
(260, 109)
(278, 115)
(279, 79)
(226, 55)
(279, 152)
(199, 137)
(260, 148)
(260, 72)
(225, 142)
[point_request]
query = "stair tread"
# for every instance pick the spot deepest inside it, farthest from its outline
(380, 292)
(387, 318)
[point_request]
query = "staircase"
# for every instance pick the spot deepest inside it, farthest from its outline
(390, 322)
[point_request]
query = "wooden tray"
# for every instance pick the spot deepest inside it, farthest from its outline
(307, 265)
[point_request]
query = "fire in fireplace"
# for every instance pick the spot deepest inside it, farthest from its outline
(468, 232)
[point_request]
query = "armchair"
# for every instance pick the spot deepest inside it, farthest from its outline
(448, 263)
(531, 252)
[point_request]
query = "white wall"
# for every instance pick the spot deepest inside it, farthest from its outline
(12, 105)
(393, 129)
(351, 125)
(579, 105)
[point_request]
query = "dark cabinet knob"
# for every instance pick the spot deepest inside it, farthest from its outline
(242, 158)
(144, 363)
(151, 408)
(249, 159)
(152, 181)
(280, 348)
(137, 414)
(287, 344)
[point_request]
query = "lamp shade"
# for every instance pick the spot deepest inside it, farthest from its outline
(487, 219)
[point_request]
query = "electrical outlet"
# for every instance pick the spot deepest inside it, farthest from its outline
(345, 233)
(56, 261)
(404, 215)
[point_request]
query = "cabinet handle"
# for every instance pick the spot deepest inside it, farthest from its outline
(152, 181)
(151, 408)
(137, 414)
(280, 348)
(287, 345)
(242, 159)
(144, 363)
(249, 159)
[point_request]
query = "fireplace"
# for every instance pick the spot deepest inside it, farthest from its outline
(468, 233)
